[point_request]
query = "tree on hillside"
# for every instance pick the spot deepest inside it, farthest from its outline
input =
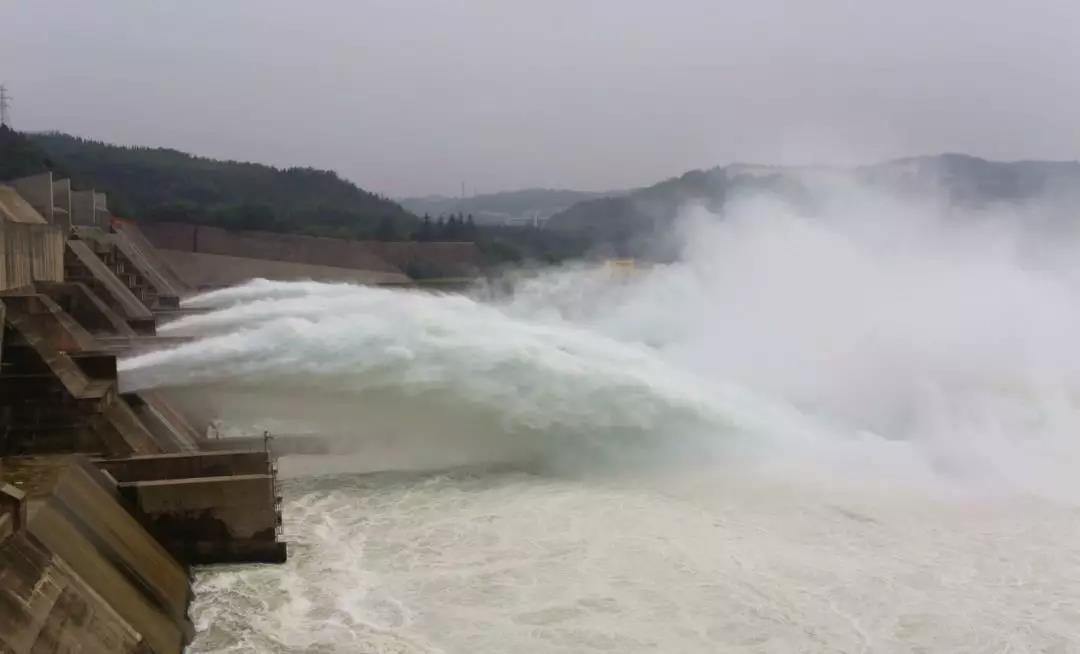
(146, 183)
(251, 216)
(20, 157)
(424, 233)
(159, 183)
(452, 227)
(387, 230)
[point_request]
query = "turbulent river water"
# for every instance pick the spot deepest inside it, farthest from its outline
(809, 435)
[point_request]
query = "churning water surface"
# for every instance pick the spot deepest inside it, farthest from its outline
(807, 436)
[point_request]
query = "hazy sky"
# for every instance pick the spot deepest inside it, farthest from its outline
(407, 97)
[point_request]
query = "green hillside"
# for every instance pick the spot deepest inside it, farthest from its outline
(20, 156)
(168, 185)
(641, 223)
(165, 184)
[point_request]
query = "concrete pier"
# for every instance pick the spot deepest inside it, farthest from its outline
(79, 302)
(142, 256)
(15, 209)
(80, 570)
(101, 210)
(61, 391)
(37, 190)
(106, 497)
(62, 204)
(30, 252)
(205, 507)
(82, 264)
(83, 209)
(49, 198)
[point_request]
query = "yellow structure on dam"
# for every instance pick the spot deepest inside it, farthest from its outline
(626, 268)
(622, 264)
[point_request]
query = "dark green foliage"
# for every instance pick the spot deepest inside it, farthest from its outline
(503, 207)
(453, 228)
(163, 184)
(426, 231)
(167, 185)
(20, 156)
(387, 230)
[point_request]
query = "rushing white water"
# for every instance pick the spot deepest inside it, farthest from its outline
(851, 433)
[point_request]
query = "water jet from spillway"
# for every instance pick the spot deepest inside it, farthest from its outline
(854, 432)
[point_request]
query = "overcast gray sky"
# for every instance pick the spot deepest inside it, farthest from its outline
(409, 97)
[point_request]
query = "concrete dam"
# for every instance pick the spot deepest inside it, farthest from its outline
(107, 497)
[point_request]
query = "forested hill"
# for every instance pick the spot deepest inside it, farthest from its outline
(168, 185)
(165, 184)
(20, 156)
(641, 223)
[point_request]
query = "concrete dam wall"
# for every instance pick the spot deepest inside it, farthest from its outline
(49, 200)
(30, 252)
(14, 207)
(211, 256)
(106, 498)
(91, 572)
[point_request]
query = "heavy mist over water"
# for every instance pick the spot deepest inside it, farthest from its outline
(855, 431)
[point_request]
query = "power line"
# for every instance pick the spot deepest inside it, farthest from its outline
(5, 105)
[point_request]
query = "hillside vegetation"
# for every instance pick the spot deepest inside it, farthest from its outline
(641, 223)
(168, 185)
(165, 184)
(525, 206)
(20, 156)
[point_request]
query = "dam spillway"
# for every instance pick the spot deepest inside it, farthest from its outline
(106, 498)
(81, 457)
(578, 466)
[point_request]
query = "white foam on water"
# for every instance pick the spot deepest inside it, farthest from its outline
(494, 562)
(856, 432)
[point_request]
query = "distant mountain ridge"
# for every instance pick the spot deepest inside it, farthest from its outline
(635, 223)
(525, 206)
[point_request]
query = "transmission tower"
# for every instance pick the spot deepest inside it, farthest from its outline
(5, 104)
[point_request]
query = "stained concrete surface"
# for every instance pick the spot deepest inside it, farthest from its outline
(83, 265)
(212, 519)
(202, 271)
(14, 208)
(83, 209)
(76, 517)
(46, 607)
(30, 252)
(142, 254)
(37, 190)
